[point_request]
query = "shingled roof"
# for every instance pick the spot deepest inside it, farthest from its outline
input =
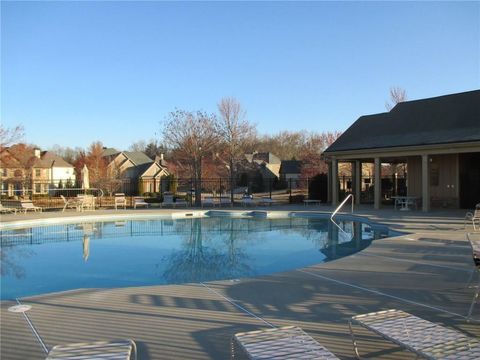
(290, 167)
(138, 157)
(445, 119)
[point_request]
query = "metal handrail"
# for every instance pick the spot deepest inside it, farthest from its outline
(340, 206)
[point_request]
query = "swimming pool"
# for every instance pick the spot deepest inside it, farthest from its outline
(123, 253)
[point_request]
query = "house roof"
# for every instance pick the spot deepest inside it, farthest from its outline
(445, 119)
(49, 159)
(20, 155)
(145, 167)
(110, 151)
(290, 167)
(263, 157)
(138, 157)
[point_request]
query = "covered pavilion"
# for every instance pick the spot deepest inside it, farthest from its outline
(438, 140)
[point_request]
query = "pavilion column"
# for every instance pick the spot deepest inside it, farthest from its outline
(329, 183)
(425, 183)
(377, 183)
(334, 182)
(357, 176)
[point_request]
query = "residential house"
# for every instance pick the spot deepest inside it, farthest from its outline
(438, 140)
(138, 172)
(24, 168)
(290, 172)
(267, 163)
(259, 170)
(150, 179)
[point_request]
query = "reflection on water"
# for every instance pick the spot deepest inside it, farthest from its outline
(197, 262)
(147, 252)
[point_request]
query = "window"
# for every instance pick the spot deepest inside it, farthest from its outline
(38, 188)
(38, 172)
(4, 172)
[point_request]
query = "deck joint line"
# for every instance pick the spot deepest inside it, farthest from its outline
(377, 292)
(234, 303)
(37, 335)
(417, 262)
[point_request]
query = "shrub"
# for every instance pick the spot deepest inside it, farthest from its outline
(318, 188)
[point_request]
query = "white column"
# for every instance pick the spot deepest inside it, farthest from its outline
(358, 181)
(334, 182)
(425, 183)
(377, 193)
(329, 183)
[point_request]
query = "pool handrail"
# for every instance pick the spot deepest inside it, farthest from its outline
(343, 203)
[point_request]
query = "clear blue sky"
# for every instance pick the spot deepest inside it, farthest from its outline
(76, 72)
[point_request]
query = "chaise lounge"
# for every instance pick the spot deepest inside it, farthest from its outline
(417, 335)
(289, 342)
(117, 349)
(474, 218)
(7, 210)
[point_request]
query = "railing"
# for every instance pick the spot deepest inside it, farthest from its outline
(340, 206)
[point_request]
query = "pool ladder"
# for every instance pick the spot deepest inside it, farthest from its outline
(350, 196)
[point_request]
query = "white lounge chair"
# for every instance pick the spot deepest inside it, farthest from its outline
(139, 201)
(474, 240)
(208, 201)
(120, 200)
(7, 210)
(265, 201)
(118, 349)
(474, 218)
(28, 205)
(289, 342)
(248, 201)
(417, 335)
(74, 203)
(168, 200)
(86, 202)
(225, 201)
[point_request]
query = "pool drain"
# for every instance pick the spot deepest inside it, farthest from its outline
(19, 308)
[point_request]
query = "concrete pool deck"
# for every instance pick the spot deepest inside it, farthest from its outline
(424, 273)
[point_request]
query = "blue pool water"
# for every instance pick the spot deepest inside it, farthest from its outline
(47, 259)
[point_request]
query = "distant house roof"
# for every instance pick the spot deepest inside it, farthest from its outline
(110, 151)
(21, 155)
(290, 167)
(138, 157)
(49, 159)
(263, 157)
(445, 119)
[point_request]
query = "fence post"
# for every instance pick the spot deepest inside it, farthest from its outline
(308, 188)
(290, 190)
(270, 183)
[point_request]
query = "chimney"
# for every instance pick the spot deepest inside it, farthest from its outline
(36, 152)
(161, 157)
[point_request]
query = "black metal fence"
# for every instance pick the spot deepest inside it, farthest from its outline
(289, 191)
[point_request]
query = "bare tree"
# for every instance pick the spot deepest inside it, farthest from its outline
(9, 136)
(67, 153)
(397, 95)
(311, 152)
(100, 174)
(193, 135)
(236, 133)
(139, 145)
